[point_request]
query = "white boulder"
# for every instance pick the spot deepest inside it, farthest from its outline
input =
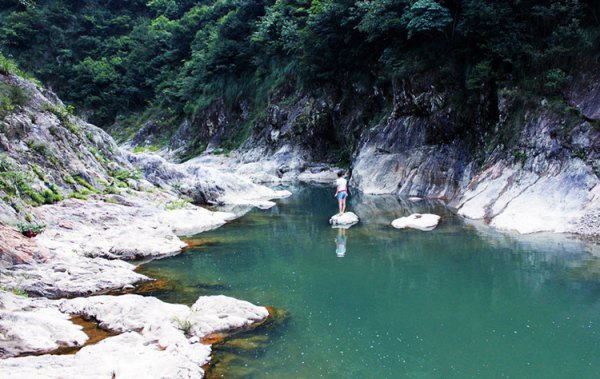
(418, 221)
(128, 355)
(33, 325)
(212, 314)
(346, 219)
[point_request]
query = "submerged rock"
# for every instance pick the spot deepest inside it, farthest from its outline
(425, 222)
(346, 219)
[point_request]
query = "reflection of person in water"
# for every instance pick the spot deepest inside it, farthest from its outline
(340, 243)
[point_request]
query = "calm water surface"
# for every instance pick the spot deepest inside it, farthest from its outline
(456, 302)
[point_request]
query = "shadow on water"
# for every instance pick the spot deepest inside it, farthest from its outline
(459, 301)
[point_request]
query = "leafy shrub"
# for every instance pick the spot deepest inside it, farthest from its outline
(554, 79)
(31, 229)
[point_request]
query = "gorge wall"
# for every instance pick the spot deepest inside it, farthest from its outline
(510, 157)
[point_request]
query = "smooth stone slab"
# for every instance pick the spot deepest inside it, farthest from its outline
(156, 341)
(346, 219)
(425, 222)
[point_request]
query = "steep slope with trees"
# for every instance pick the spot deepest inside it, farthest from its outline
(438, 91)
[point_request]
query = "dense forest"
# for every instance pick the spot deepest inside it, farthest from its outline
(128, 61)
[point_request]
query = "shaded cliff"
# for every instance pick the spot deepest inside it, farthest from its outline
(516, 158)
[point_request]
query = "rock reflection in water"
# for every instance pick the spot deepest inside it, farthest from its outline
(340, 243)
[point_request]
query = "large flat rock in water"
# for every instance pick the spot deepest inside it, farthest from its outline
(418, 221)
(343, 220)
(157, 340)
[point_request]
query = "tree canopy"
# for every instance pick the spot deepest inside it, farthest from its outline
(112, 57)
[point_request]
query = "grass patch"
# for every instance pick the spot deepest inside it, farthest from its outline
(184, 325)
(15, 291)
(149, 149)
(8, 66)
(16, 183)
(177, 204)
(64, 115)
(11, 99)
(82, 182)
(77, 195)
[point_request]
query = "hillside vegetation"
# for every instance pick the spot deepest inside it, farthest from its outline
(122, 63)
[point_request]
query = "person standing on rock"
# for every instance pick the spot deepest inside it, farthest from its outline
(342, 191)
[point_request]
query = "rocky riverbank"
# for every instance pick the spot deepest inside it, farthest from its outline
(103, 211)
(155, 339)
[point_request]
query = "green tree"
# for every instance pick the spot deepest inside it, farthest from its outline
(425, 17)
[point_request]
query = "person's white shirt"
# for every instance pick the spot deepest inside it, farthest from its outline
(342, 184)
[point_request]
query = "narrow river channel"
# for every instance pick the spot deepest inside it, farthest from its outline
(460, 301)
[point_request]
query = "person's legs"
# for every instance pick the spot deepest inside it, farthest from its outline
(340, 201)
(343, 205)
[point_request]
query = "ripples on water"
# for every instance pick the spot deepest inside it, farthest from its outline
(459, 301)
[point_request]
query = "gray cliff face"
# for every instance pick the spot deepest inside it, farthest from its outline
(321, 126)
(506, 156)
(46, 154)
(534, 169)
(417, 150)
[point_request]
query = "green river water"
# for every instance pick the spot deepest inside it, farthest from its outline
(461, 301)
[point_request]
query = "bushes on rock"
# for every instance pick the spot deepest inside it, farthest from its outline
(11, 98)
(31, 229)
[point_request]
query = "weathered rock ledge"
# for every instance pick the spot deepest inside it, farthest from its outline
(156, 340)
(86, 243)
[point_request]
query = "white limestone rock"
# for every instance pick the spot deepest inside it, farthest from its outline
(127, 312)
(33, 326)
(158, 340)
(66, 274)
(212, 314)
(511, 198)
(100, 229)
(207, 179)
(346, 219)
(194, 220)
(326, 175)
(128, 355)
(425, 222)
(80, 233)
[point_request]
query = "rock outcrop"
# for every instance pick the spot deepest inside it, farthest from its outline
(34, 326)
(99, 212)
(113, 214)
(547, 179)
(47, 154)
(156, 340)
(204, 183)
